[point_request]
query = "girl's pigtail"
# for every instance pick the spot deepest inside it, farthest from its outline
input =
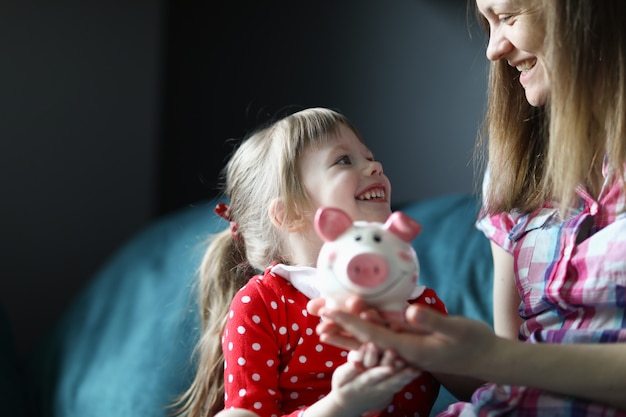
(223, 271)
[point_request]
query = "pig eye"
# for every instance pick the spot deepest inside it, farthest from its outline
(377, 238)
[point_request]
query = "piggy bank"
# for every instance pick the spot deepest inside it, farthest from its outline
(372, 260)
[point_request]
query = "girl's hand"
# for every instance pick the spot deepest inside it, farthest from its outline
(369, 379)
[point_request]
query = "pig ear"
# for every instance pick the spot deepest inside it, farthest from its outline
(403, 226)
(331, 222)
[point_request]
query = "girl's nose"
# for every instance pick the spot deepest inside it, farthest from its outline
(374, 168)
(498, 45)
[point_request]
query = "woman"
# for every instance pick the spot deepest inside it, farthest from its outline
(554, 205)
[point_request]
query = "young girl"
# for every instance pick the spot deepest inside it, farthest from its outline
(258, 349)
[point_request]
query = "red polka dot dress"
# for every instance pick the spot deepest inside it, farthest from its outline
(275, 364)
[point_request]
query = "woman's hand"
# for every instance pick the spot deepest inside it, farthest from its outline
(429, 340)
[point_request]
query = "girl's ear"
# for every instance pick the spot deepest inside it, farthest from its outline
(280, 219)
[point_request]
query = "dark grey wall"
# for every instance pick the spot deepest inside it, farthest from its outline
(408, 74)
(79, 100)
(115, 112)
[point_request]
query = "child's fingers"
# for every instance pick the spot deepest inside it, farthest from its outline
(399, 380)
(371, 355)
(356, 356)
(346, 372)
(384, 378)
(390, 358)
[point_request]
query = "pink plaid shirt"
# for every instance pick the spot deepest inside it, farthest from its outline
(571, 277)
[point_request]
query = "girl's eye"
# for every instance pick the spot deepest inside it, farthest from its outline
(505, 18)
(344, 160)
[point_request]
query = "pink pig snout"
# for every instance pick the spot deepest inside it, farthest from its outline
(367, 270)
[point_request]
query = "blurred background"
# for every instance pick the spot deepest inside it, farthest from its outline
(114, 113)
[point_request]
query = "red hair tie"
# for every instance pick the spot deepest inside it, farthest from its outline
(223, 210)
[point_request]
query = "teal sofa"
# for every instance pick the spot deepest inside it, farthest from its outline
(123, 347)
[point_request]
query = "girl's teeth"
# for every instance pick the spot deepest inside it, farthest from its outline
(372, 194)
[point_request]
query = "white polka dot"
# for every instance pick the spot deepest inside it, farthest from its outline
(232, 314)
(245, 299)
(309, 332)
(256, 319)
(329, 364)
(305, 313)
(288, 348)
(321, 376)
(241, 330)
(256, 377)
(230, 346)
(408, 395)
(290, 301)
(423, 388)
(282, 298)
(273, 326)
(343, 354)
(295, 327)
(302, 359)
(242, 392)
(390, 408)
(274, 305)
(256, 346)
(271, 391)
(241, 361)
(300, 341)
(225, 396)
(257, 405)
(293, 395)
(294, 379)
(319, 348)
(282, 330)
(230, 377)
(270, 362)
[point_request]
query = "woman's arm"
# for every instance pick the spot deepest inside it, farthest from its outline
(506, 299)
(460, 346)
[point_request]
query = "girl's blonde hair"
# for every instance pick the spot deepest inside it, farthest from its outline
(264, 167)
(543, 154)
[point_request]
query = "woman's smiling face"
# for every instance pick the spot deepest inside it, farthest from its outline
(516, 34)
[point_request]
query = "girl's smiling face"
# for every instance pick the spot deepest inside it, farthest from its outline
(343, 173)
(516, 33)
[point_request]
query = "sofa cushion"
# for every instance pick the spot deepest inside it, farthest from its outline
(123, 348)
(455, 257)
